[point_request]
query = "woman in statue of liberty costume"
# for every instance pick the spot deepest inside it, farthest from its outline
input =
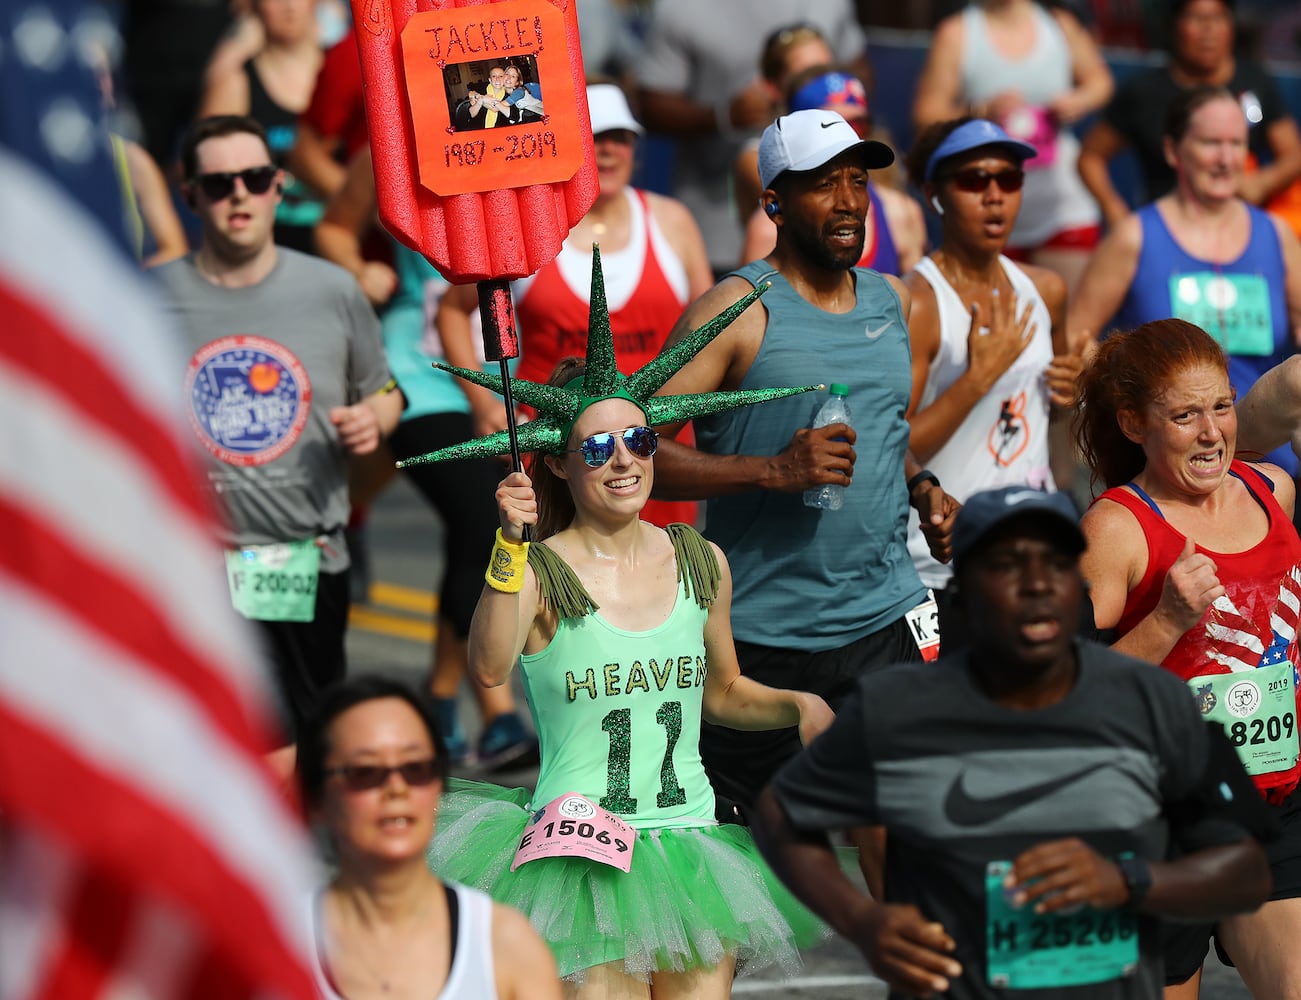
(623, 635)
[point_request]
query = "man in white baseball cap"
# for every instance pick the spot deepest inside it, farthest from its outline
(805, 140)
(823, 320)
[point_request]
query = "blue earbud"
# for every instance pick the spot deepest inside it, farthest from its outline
(772, 208)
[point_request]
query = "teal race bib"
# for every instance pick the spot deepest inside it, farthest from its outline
(1027, 950)
(1232, 308)
(1257, 710)
(275, 583)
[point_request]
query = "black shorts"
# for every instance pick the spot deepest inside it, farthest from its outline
(1185, 945)
(307, 657)
(739, 763)
(463, 495)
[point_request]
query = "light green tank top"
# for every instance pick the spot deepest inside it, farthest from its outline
(618, 716)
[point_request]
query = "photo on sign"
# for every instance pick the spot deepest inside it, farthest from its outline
(493, 93)
(475, 78)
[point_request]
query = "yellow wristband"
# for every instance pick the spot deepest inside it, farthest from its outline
(506, 567)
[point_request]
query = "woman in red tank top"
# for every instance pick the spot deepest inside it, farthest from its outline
(1194, 561)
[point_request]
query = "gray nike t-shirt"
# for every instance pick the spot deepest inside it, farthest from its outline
(959, 782)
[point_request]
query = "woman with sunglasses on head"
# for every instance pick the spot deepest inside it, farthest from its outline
(791, 49)
(371, 769)
(1203, 253)
(622, 633)
(989, 360)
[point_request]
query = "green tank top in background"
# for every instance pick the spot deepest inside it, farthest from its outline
(427, 389)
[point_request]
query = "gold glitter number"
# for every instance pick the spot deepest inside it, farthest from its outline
(618, 768)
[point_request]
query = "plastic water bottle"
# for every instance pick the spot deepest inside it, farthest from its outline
(830, 496)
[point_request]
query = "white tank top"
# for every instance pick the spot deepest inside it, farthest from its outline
(1004, 439)
(471, 976)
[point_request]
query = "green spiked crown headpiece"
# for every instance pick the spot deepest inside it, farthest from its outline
(559, 406)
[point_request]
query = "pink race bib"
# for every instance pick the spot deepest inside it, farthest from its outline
(1037, 127)
(571, 827)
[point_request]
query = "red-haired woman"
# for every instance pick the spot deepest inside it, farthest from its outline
(1194, 561)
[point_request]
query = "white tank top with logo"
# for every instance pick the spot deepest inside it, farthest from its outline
(1004, 439)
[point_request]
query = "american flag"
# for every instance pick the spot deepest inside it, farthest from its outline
(1244, 639)
(145, 851)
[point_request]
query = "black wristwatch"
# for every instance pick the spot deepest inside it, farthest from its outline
(925, 476)
(1138, 879)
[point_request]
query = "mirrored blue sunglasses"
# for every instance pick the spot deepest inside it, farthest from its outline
(599, 448)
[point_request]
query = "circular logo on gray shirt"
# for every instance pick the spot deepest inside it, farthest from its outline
(248, 398)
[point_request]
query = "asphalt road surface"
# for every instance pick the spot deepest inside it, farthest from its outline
(393, 633)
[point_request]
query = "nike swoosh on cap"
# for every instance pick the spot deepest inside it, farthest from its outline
(826, 124)
(964, 809)
(1017, 496)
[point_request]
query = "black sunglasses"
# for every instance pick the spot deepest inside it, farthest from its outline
(219, 186)
(973, 180)
(364, 777)
(599, 448)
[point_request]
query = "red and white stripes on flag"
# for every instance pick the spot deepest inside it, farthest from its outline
(1261, 633)
(1287, 613)
(1232, 639)
(144, 850)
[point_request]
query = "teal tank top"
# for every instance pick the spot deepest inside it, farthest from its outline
(427, 389)
(618, 716)
(820, 579)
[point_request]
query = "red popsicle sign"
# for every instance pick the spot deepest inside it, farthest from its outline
(482, 188)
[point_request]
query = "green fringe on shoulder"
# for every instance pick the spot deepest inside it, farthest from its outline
(559, 585)
(565, 594)
(695, 558)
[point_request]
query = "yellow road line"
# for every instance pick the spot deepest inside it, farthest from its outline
(391, 625)
(392, 595)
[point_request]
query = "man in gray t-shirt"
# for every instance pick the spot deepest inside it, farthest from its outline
(286, 377)
(1034, 789)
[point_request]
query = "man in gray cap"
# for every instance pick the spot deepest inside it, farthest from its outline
(820, 595)
(1034, 787)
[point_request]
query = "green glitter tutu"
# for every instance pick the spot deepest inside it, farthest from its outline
(694, 895)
